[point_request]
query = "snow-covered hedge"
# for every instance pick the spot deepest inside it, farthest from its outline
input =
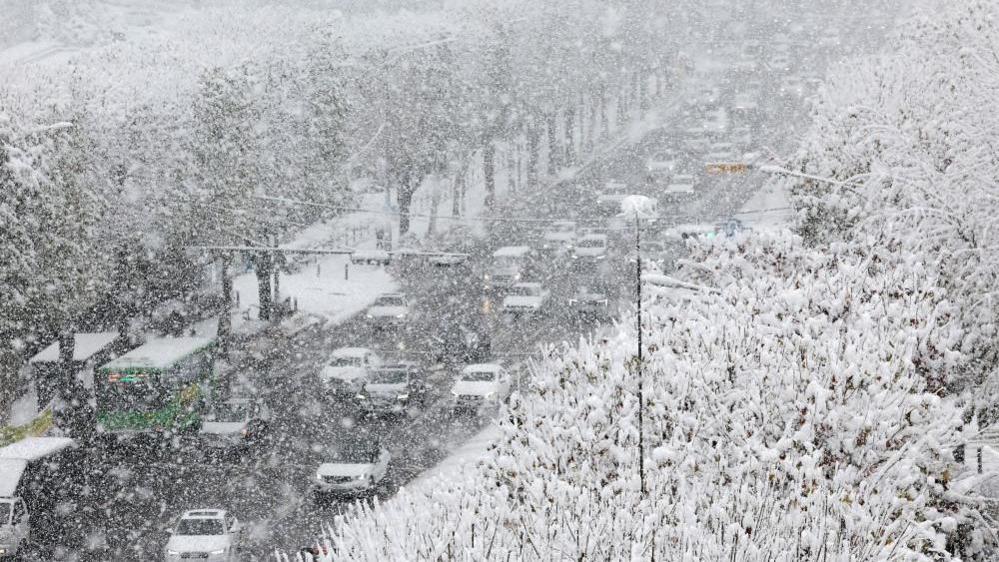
(913, 138)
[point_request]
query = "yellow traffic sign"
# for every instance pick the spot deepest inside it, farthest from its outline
(718, 168)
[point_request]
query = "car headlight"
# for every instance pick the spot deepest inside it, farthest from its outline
(455, 393)
(401, 315)
(361, 397)
(173, 553)
(403, 397)
(490, 396)
(485, 277)
(361, 477)
(369, 316)
(219, 551)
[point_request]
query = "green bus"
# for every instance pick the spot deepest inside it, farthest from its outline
(161, 386)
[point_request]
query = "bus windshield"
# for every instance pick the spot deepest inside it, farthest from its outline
(141, 396)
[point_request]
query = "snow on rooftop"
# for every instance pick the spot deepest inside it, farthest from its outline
(34, 448)
(159, 353)
(86, 346)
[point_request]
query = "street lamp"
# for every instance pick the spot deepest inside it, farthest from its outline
(640, 207)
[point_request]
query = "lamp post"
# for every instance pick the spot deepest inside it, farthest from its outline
(641, 207)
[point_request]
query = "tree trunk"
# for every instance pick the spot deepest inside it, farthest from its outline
(533, 146)
(602, 103)
(225, 315)
(643, 92)
(489, 170)
(570, 135)
(435, 201)
(554, 162)
(406, 190)
(263, 270)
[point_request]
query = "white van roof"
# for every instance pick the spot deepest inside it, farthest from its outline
(10, 476)
(512, 252)
(160, 353)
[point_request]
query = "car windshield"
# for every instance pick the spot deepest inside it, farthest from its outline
(346, 362)
(591, 243)
(526, 291)
(478, 376)
(390, 300)
(389, 376)
(232, 411)
(6, 508)
(359, 454)
(200, 527)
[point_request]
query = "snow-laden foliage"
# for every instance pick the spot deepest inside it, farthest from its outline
(787, 417)
(912, 144)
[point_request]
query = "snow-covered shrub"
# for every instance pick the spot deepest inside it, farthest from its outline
(787, 417)
(911, 141)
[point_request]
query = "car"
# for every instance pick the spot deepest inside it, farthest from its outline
(205, 534)
(348, 368)
(392, 387)
(730, 227)
(559, 237)
(661, 166)
(234, 425)
(509, 264)
(591, 246)
(350, 469)
(480, 385)
(742, 137)
(780, 62)
(651, 251)
(389, 309)
(444, 259)
(610, 197)
(591, 301)
(705, 98)
(370, 257)
(525, 298)
(682, 186)
(696, 140)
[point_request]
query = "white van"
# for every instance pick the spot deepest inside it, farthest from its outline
(21, 464)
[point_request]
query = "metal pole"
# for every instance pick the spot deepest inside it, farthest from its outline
(641, 399)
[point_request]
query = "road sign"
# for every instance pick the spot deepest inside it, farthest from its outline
(718, 168)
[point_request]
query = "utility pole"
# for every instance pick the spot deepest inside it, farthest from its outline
(641, 398)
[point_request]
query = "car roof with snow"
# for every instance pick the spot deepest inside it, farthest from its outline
(482, 368)
(203, 513)
(512, 252)
(85, 346)
(350, 352)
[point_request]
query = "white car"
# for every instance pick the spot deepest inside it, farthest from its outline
(681, 186)
(612, 194)
(234, 425)
(479, 385)
(391, 388)
(591, 246)
(560, 237)
(352, 469)
(348, 369)
(661, 165)
(205, 534)
(525, 297)
(509, 263)
(389, 309)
